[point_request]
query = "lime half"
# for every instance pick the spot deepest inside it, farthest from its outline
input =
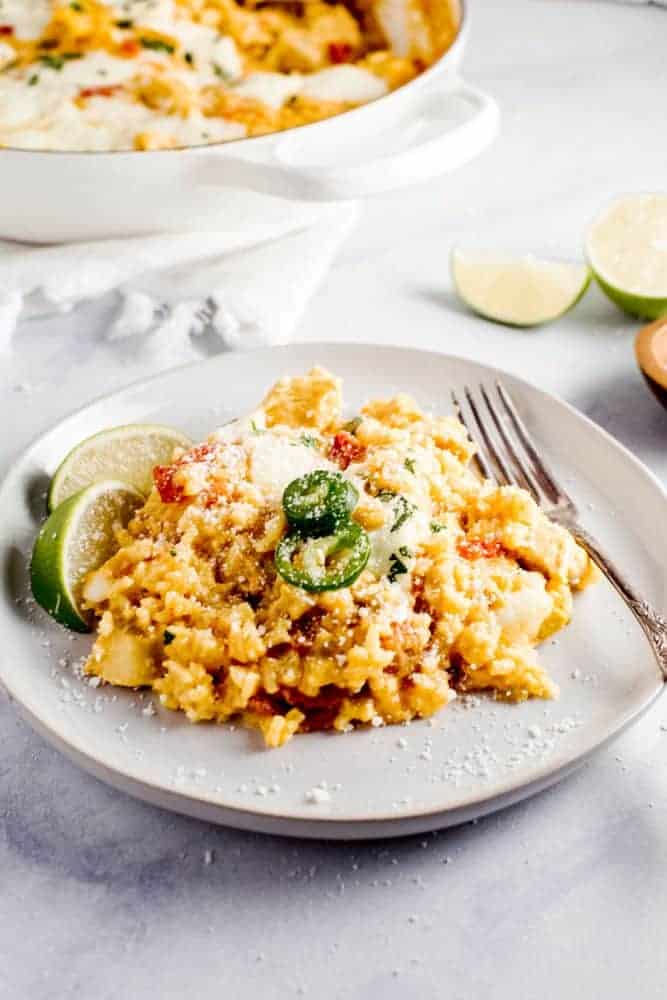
(627, 250)
(128, 453)
(517, 290)
(77, 538)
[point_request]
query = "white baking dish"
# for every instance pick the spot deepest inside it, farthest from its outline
(251, 186)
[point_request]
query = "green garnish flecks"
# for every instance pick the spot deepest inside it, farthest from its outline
(157, 45)
(396, 568)
(57, 62)
(403, 509)
(309, 440)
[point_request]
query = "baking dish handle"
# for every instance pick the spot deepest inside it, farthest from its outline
(444, 130)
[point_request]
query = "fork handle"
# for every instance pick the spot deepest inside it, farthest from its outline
(651, 621)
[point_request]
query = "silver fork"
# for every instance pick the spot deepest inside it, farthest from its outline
(507, 454)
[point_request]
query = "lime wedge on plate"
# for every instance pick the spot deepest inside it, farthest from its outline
(517, 290)
(128, 453)
(627, 250)
(77, 538)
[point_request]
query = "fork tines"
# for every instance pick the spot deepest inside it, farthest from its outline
(506, 451)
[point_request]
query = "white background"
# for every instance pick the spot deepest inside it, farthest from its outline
(562, 897)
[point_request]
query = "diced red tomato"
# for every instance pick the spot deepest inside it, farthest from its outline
(199, 453)
(340, 52)
(107, 90)
(6, 29)
(163, 477)
(129, 48)
(480, 548)
(346, 449)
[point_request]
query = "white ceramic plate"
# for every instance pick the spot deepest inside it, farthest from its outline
(474, 757)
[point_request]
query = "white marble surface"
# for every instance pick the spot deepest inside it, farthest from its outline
(565, 896)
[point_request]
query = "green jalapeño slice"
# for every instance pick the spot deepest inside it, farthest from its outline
(318, 502)
(324, 563)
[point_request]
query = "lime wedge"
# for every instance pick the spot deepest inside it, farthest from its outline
(517, 291)
(627, 250)
(128, 453)
(77, 538)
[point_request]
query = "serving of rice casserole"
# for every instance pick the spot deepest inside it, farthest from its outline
(422, 580)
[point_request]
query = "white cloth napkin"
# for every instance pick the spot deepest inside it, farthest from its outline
(176, 286)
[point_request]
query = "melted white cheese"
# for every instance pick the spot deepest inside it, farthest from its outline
(272, 89)
(393, 17)
(386, 543)
(348, 84)
(351, 84)
(27, 17)
(106, 124)
(276, 461)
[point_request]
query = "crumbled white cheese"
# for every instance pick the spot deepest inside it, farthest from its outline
(317, 796)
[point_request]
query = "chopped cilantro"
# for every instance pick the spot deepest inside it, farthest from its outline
(396, 567)
(352, 425)
(33, 80)
(189, 58)
(75, 5)
(168, 637)
(405, 551)
(410, 465)
(57, 62)
(436, 527)
(403, 509)
(125, 23)
(173, 552)
(255, 429)
(222, 72)
(157, 45)
(53, 62)
(309, 440)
